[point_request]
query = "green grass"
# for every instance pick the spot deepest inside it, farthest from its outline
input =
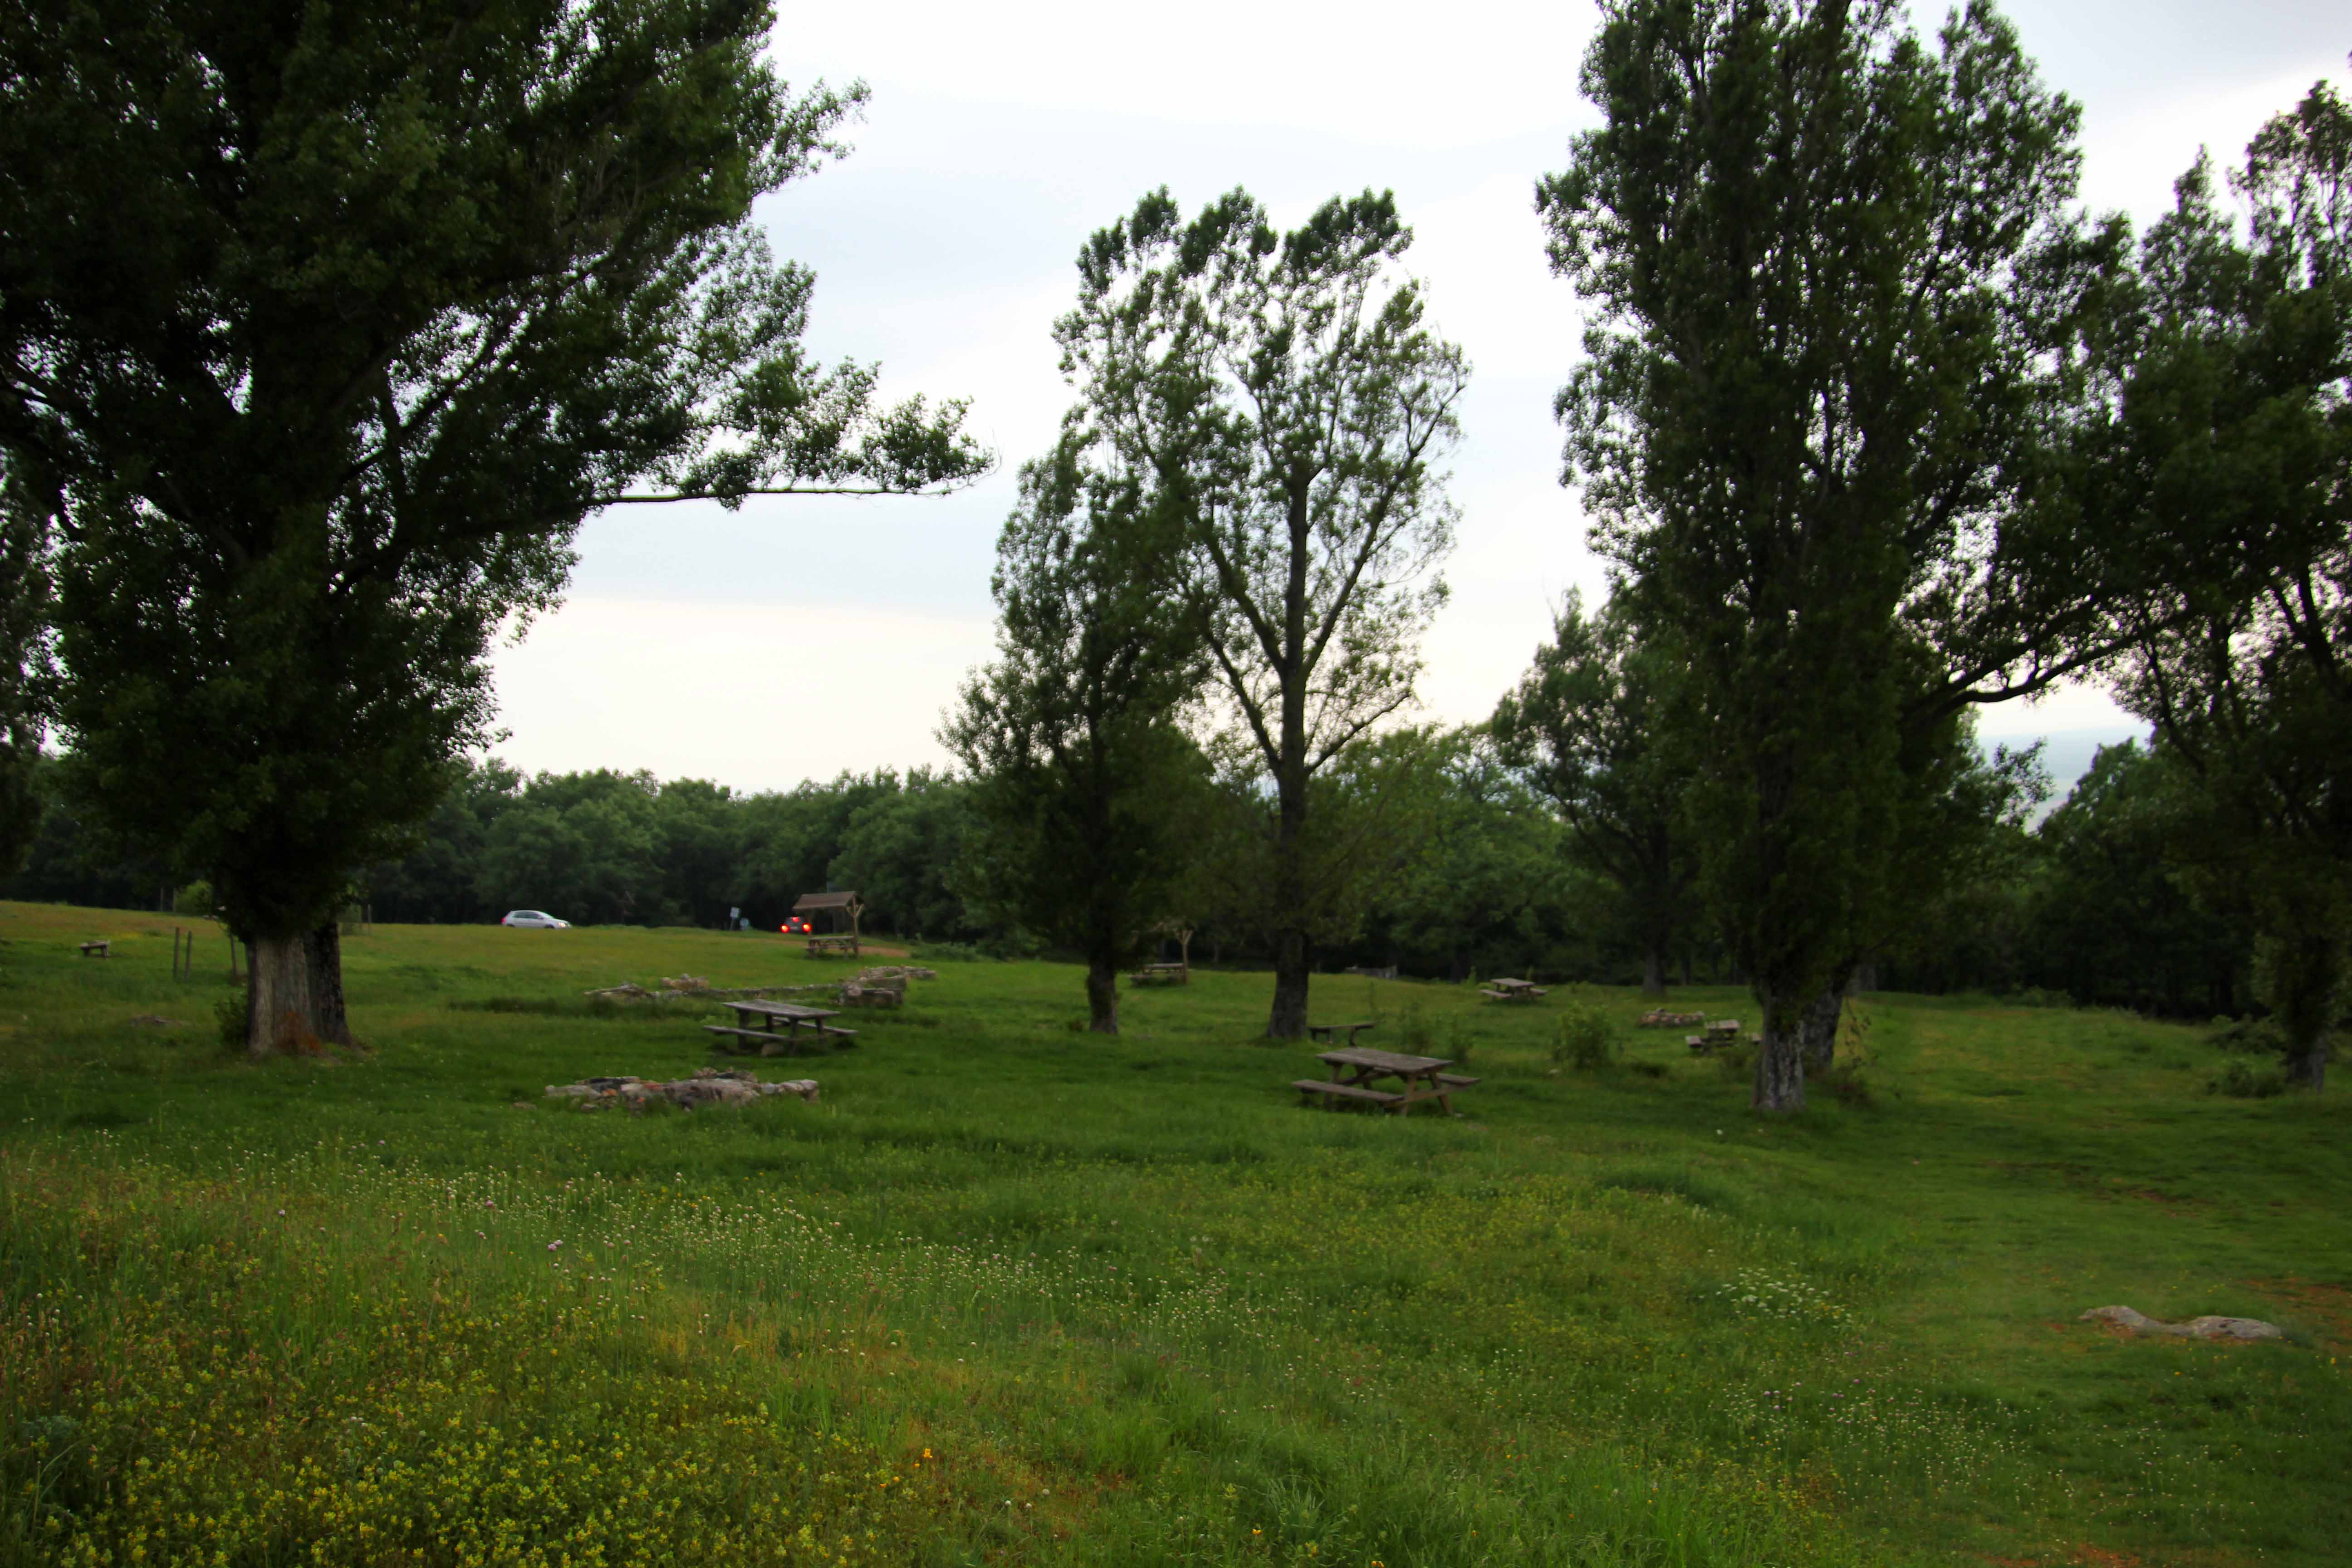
(1013, 1293)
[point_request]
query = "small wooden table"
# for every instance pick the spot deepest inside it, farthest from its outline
(1354, 1069)
(821, 946)
(96, 949)
(1324, 1033)
(1511, 990)
(767, 1038)
(1167, 973)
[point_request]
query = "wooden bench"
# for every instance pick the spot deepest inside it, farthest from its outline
(1456, 1080)
(772, 1043)
(1322, 1033)
(1308, 1088)
(94, 949)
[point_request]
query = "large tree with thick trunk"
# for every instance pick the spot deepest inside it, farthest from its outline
(321, 327)
(2230, 437)
(1283, 397)
(1838, 299)
(1088, 792)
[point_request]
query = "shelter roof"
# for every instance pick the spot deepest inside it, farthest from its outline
(827, 901)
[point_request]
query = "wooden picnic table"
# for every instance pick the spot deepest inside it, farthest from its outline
(1354, 1070)
(769, 1038)
(1325, 1032)
(1512, 990)
(821, 946)
(1170, 973)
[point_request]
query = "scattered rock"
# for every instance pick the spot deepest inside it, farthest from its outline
(628, 990)
(685, 983)
(708, 1086)
(2209, 1328)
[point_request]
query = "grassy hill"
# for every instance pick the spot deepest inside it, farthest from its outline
(1013, 1293)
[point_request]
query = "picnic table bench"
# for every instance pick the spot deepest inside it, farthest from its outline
(818, 946)
(96, 949)
(1162, 974)
(1354, 1069)
(1512, 990)
(1722, 1032)
(1323, 1032)
(770, 1040)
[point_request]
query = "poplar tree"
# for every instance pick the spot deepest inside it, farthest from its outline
(1085, 784)
(1284, 402)
(1838, 308)
(321, 329)
(2229, 439)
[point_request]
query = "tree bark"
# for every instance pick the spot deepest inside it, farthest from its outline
(1287, 1018)
(2305, 970)
(1102, 997)
(1654, 972)
(279, 1010)
(1780, 1066)
(324, 950)
(1817, 1028)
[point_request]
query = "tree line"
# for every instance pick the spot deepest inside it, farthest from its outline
(1877, 427)
(1491, 877)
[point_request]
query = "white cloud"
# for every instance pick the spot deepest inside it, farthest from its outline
(756, 696)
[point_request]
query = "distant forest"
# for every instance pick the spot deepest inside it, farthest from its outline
(1479, 878)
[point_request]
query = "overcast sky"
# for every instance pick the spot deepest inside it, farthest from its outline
(802, 637)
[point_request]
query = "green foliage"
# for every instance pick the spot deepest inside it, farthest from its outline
(1089, 798)
(2225, 449)
(1585, 1037)
(1281, 406)
(2117, 916)
(322, 331)
(1829, 271)
(196, 899)
(2242, 1079)
(1593, 727)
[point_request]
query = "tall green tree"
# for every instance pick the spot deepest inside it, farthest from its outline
(1838, 306)
(321, 328)
(2230, 439)
(1087, 786)
(1594, 726)
(1283, 397)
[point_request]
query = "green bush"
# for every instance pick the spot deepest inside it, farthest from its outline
(2241, 1080)
(1585, 1039)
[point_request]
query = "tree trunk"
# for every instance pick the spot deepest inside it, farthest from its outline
(1817, 1028)
(1291, 961)
(1102, 997)
(324, 950)
(2306, 970)
(1780, 1066)
(278, 1012)
(1654, 972)
(1287, 1020)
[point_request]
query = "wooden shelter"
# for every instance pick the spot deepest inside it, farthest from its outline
(846, 906)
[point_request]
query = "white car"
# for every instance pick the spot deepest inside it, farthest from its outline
(533, 920)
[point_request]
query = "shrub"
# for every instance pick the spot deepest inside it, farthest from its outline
(1584, 1040)
(229, 1014)
(2241, 1081)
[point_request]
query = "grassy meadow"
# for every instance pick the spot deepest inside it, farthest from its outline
(1012, 1293)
